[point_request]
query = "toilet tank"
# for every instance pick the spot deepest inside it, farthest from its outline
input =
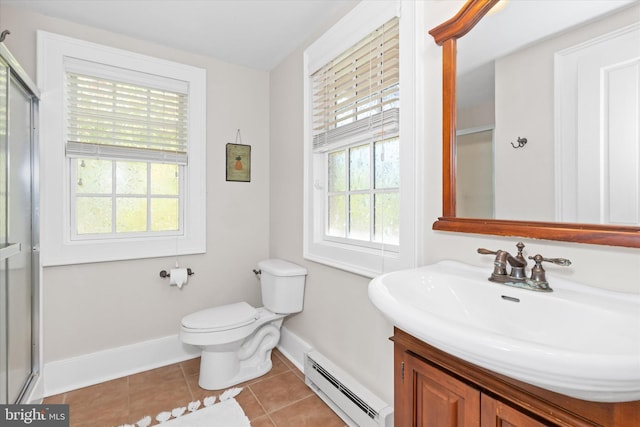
(282, 285)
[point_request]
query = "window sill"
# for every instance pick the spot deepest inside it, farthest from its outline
(83, 252)
(359, 260)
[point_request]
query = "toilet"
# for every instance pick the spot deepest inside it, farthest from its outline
(237, 339)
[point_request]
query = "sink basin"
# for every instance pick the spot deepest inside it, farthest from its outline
(580, 341)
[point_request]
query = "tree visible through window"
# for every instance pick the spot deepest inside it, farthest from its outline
(363, 192)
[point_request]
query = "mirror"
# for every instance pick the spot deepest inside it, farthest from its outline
(534, 191)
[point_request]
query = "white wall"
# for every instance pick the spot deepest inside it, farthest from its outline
(338, 318)
(93, 307)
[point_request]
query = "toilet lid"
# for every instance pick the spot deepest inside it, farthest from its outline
(221, 318)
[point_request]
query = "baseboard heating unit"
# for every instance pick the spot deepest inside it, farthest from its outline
(356, 405)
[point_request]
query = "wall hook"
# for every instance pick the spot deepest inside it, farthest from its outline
(4, 35)
(521, 143)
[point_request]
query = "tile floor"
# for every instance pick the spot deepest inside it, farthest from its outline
(277, 399)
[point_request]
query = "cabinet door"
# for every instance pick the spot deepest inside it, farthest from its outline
(437, 399)
(498, 414)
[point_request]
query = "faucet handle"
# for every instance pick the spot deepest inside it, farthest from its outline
(558, 261)
(484, 251)
(538, 273)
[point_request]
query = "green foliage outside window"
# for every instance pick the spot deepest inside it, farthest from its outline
(143, 197)
(364, 201)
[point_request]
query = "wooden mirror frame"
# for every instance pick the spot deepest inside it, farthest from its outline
(446, 36)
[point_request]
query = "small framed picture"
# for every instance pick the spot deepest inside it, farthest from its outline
(238, 162)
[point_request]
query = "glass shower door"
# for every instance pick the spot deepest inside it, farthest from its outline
(19, 280)
(17, 112)
(4, 86)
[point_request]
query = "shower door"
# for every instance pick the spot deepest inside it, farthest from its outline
(18, 235)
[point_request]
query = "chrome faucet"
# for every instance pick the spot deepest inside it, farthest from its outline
(517, 277)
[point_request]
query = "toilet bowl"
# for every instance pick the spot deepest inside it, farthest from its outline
(237, 339)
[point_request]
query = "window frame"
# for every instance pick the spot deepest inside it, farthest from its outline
(57, 245)
(347, 254)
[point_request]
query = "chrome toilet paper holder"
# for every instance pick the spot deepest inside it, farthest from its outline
(164, 273)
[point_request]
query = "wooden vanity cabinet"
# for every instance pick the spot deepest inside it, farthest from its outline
(435, 398)
(435, 389)
(495, 413)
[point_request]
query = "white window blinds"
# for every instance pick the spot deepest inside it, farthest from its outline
(122, 120)
(357, 94)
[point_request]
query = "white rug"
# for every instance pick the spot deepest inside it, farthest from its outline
(226, 413)
(223, 414)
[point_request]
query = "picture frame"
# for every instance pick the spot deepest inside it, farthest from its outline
(238, 162)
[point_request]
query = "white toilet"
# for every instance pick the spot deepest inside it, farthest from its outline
(237, 339)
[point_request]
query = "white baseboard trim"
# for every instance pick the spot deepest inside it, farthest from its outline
(64, 375)
(69, 374)
(293, 347)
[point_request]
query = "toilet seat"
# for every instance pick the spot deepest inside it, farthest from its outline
(221, 318)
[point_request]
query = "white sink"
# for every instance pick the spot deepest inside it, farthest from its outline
(580, 341)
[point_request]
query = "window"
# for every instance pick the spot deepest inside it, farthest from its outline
(359, 202)
(125, 133)
(363, 193)
(355, 125)
(127, 148)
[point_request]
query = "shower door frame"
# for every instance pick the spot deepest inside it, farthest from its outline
(17, 73)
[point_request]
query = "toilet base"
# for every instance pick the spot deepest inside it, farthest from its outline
(223, 366)
(219, 371)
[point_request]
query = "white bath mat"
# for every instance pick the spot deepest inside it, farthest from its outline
(226, 413)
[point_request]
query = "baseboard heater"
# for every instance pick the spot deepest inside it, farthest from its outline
(355, 404)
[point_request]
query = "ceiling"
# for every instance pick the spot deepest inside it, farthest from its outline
(254, 33)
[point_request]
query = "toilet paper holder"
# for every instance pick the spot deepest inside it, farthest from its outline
(164, 273)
